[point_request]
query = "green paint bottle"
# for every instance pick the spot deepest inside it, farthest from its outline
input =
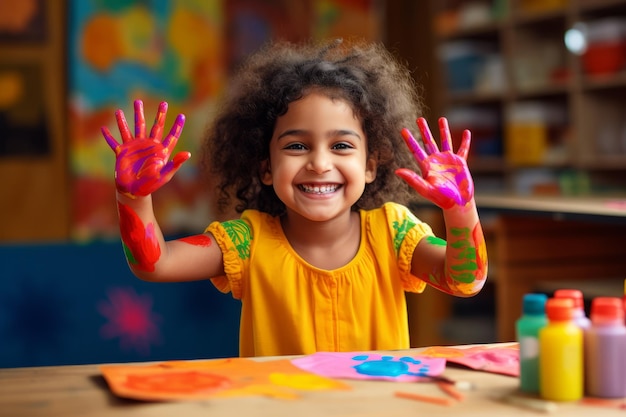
(527, 330)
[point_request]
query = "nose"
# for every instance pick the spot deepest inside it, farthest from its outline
(320, 161)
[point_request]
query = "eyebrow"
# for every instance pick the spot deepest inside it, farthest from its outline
(338, 132)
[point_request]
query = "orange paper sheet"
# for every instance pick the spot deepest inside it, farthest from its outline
(184, 380)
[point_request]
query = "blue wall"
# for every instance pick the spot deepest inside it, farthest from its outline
(73, 304)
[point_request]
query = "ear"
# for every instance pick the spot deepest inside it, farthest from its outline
(265, 173)
(370, 169)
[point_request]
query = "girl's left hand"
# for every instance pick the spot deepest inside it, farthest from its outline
(445, 179)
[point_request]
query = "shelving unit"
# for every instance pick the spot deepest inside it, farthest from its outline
(541, 123)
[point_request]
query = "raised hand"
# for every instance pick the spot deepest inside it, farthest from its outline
(142, 164)
(445, 179)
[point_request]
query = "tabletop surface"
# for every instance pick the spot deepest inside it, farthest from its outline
(81, 390)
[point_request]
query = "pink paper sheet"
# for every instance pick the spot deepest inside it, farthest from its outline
(356, 365)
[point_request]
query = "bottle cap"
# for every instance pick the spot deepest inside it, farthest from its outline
(560, 309)
(607, 309)
(534, 304)
(575, 295)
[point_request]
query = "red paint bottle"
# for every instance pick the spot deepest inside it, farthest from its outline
(580, 317)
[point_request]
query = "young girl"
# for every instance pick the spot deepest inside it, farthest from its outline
(308, 147)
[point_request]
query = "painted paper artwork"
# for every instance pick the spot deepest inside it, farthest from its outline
(354, 365)
(182, 52)
(233, 377)
(499, 360)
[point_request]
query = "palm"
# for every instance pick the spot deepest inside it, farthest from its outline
(142, 163)
(445, 178)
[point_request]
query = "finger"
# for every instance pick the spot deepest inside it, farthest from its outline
(414, 147)
(427, 137)
(415, 181)
(122, 125)
(444, 135)
(140, 120)
(113, 144)
(169, 143)
(466, 140)
(159, 122)
(172, 166)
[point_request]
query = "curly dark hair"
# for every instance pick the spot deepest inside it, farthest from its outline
(369, 77)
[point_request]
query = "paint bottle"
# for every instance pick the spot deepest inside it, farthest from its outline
(605, 349)
(624, 299)
(561, 375)
(579, 305)
(527, 330)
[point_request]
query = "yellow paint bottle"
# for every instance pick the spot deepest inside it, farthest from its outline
(561, 360)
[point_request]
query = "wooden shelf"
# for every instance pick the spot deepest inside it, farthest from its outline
(587, 103)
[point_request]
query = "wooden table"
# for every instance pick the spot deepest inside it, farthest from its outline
(67, 391)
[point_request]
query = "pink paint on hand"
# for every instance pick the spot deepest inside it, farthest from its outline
(445, 178)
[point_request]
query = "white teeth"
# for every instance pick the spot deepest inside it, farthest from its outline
(319, 189)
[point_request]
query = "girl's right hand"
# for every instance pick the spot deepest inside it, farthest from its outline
(142, 163)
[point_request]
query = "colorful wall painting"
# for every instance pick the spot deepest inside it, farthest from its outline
(179, 51)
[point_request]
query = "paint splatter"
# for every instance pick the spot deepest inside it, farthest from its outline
(197, 240)
(388, 366)
(178, 382)
(130, 319)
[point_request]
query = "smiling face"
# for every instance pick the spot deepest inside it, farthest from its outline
(318, 162)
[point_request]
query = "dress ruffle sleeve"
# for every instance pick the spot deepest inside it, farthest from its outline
(233, 264)
(410, 282)
(408, 231)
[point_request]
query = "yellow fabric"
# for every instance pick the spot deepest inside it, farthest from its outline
(291, 307)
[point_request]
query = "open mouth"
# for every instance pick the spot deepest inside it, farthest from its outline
(319, 189)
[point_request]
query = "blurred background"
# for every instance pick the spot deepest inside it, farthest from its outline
(540, 83)
(66, 294)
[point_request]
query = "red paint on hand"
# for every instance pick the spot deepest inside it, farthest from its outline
(143, 163)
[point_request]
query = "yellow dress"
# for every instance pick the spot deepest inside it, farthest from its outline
(291, 307)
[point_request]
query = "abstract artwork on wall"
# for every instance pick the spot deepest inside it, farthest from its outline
(179, 51)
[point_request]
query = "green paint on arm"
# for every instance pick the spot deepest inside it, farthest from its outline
(465, 277)
(436, 241)
(129, 255)
(468, 266)
(462, 232)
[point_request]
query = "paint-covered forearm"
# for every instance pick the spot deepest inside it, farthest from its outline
(458, 264)
(142, 239)
(466, 263)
